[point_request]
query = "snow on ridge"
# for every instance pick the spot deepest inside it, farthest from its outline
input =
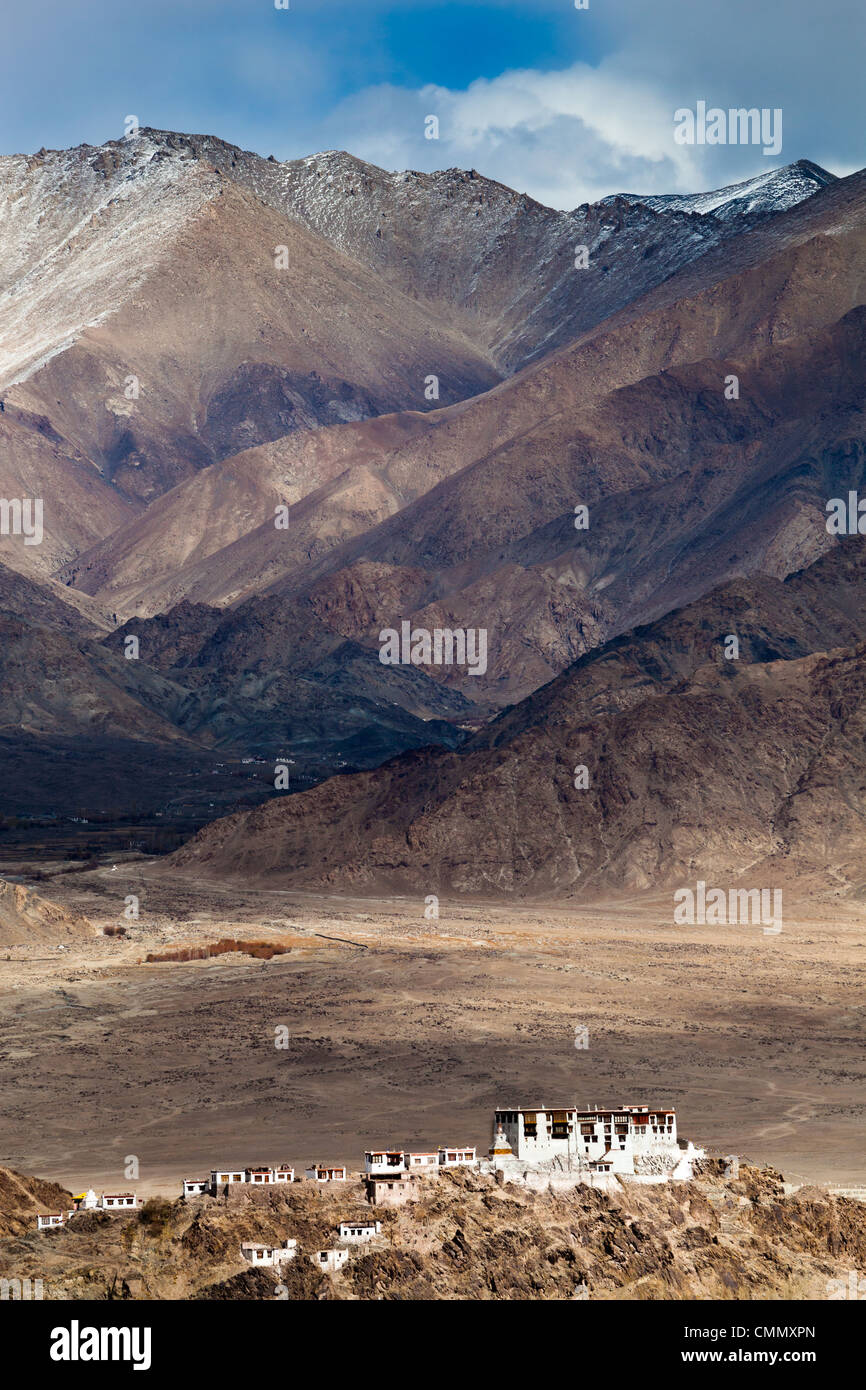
(80, 231)
(769, 192)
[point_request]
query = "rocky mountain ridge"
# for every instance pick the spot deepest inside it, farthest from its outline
(653, 761)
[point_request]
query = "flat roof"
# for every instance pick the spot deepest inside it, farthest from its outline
(588, 1109)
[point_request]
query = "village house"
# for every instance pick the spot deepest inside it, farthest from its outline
(50, 1220)
(266, 1175)
(602, 1141)
(384, 1161)
(321, 1172)
(117, 1201)
(422, 1162)
(393, 1191)
(223, 1177)
(195, 1187)
(267, 1256)
(330, 1260)
(357, 1232)
(257, 1175)
(456, 1158)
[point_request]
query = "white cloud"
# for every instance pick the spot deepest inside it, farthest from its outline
(577, 134)
(564, 137)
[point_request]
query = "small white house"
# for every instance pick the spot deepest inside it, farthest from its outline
(330, 1260)
(267, 1256)
(357, 1232)
(422, 1162)
(384, 1161)
(50, 1220)
(265, 1176)
(456, 1158)
(118, 1201)
(195, 1187)
(259, 1175)
(221, 1177)
(321, 1172)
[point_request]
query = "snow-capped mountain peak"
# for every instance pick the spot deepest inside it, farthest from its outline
(762, 195)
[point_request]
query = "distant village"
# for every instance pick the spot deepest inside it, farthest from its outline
(539, 1148)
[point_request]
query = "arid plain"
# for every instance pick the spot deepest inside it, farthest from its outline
(399, 1029)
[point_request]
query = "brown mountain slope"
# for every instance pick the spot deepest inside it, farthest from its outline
(395, 228)
(84, 728)
(170, 277)
(684, 489)
(227, 511)
(697, 765)
(49, 603)
(78, 505)
(271, 679)
(477, 502)
(22, 1197)
(498, 262)
(114, 256)
(57, 677)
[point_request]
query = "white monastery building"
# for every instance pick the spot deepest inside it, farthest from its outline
(538, 1145)
(631, 1139)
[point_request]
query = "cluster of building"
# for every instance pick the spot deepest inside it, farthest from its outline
(540, 1146)
(391, 1175)
(383, 1168)
(348, 1233)
(220, 1178)
(88, 1201)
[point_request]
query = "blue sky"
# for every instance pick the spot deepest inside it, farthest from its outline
(564, 104)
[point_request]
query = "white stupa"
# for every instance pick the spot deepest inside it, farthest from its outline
(500, 1148)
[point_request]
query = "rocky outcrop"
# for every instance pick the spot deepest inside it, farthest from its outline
(472, 1238)
(26, 919)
